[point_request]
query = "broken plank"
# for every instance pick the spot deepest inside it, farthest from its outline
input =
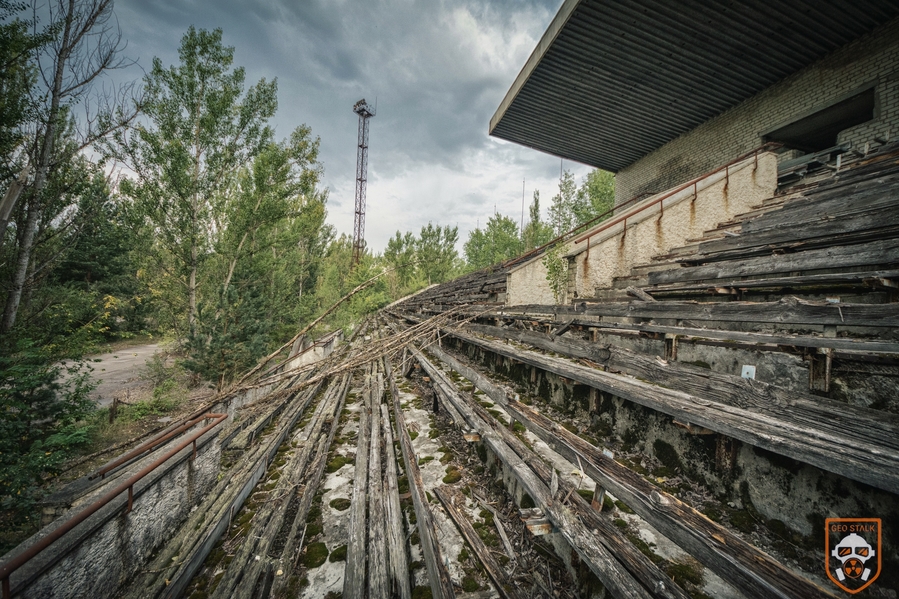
(786, 311)
(639, 294)
(501, 530)
(354, 571)
(869, 426)
(739, 563)
(441, 585)
(632, 558)
(842, 256)
(601, 562)
(822, 280)
(378, 582)
(503, 583)
(808, 444)
(399, 560)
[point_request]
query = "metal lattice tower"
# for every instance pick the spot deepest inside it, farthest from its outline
(365, 112)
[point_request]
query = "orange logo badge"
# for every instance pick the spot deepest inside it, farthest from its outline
(852, 552)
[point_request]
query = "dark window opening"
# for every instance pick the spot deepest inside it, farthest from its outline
(819, 131)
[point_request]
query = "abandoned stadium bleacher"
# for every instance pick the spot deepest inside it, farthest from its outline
(733, 392)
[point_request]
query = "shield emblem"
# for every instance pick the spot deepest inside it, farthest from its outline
(852, 552)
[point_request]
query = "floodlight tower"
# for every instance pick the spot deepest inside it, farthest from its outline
(365, 112)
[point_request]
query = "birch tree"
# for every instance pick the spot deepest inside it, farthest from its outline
(84, 45)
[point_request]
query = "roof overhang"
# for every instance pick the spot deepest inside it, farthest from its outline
(612, 80)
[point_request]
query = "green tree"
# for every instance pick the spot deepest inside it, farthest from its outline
(268, 224)
(595, 196)
(17, 109)
(563, 212)
(536, 233)
(82, 47)
(436, 251)
(203, 127)
(497, 242)
(400, 256)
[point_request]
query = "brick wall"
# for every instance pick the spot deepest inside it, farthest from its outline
(873, 58)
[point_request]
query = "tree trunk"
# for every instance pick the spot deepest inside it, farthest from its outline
(192, 290)
(9, 200)
(21, 272)
(40, 178)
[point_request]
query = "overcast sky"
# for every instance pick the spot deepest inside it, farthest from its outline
(437, 69)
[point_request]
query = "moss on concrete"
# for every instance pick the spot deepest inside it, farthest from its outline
(340, 504)
(338, 555)
(315, 556)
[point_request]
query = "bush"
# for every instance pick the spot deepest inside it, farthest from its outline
(42, 419)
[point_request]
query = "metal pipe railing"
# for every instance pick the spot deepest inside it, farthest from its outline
(146, 447)
(692, 183)
(20, 560)
(586, 225)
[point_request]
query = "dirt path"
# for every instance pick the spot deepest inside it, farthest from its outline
(120, 370)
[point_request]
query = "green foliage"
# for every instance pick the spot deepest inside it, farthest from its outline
(565, 205)
(42, 418)
(536, 233)
(202, 128)
(17, 78)
(400, 256)
(436, 252)
(497, 242)
(556, 270)
(596, 195)
(575, 205)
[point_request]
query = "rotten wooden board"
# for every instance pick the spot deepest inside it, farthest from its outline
(504, 585)
(866, 425)
(378, 556)
(736, 561)
(354, 572)
(875, 466)
(399, 559)
(786, 311)
(592, 551)
(441, 585)
(855, 279)
(699, 335)
(842, 256)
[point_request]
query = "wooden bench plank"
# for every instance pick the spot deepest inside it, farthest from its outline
(807, 443)
(441, 585)
(863, 254)
(739, 563)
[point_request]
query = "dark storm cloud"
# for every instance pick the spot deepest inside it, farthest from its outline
(437, 69)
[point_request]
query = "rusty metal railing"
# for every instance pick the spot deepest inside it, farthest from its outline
(692, 183)
(147, 447)
(20, 560)
(766, 147)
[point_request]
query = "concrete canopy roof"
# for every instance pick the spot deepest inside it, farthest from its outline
(612, 80)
